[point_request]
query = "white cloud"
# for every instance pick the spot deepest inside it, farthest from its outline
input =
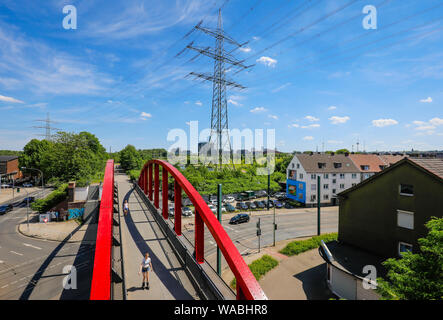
(267, 61)
(258, 109)
(281, 87)
(294, 125)
(335, 142)
(10, 99)
(311, 118)
(332, 108)
(273, 117)
(145, 115)
(311, 126)
(339, 120)
(234, 100)
(384, 122)
(425, 128)
(256, 38)
(436, 121)
(308, 138)
(198, 103)
(245, 49)
(427, 100)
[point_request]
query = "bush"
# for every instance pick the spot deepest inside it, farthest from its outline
(299, 246)
(54, 198)
(260, 267)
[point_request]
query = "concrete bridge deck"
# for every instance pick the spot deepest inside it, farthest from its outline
(140, 234)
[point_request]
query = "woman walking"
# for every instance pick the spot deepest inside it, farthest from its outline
(145, 267)
(126, 207)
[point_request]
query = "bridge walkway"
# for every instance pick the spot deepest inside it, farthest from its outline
(140, 234)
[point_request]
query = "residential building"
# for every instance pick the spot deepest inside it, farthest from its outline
(9, 168)
(337, 173)
(386, 214)
(368, 164)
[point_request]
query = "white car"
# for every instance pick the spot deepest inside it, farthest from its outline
(229, 199)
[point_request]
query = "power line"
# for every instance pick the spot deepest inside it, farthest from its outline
(47, 127)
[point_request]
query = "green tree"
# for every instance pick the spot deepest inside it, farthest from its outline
(342, 151)
(130, 158)
(417, 276)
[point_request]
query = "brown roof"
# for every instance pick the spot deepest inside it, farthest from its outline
(433, 165)
(310, 163)
(390, 159)
(371, 160)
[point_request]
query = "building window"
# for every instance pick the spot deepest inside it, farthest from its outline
(334, 191)
(364, 167)
(326, 176)
(321, 165)
(298, 165)
(354, 176)
(334, 180)
(292, 166)
(313, 176)
(382, 167)
(342, 175)
(313, 187)
(313, 197)
(366, 175)
(301, 175)
(342, 186)
(405, 219)
(337, 165)
(326, 197)
(326, 186)
(406, 190)
(403, 247)
(333, 174)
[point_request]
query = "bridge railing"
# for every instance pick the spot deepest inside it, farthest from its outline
(101, 277)
(149, 181)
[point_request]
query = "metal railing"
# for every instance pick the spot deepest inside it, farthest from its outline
(247, 286)
(101, 277)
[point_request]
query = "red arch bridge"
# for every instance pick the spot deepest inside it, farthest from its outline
(179, 265)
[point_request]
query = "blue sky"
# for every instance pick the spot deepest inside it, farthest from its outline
(319, 76)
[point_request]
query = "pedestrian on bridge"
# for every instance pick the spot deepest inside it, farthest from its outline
(145, 267)
(125, 207)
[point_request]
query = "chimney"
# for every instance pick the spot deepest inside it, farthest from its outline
(71, 191)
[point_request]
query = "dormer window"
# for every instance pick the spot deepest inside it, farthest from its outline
(364, 167)
(382, 167)
(337, 165)
(321, 165)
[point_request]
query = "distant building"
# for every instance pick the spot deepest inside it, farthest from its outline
(386, 213)
(337, 173)
(9, 168)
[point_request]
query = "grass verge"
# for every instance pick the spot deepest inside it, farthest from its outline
(259, 268)
(299, 246)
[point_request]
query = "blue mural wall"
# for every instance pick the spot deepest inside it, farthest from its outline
(296, 190)
(75, 213)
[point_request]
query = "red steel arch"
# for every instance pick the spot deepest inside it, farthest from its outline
(247, 286)
(101, 276)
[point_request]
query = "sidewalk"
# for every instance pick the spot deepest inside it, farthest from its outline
(300, 277)
(140, 234)
(6, 193)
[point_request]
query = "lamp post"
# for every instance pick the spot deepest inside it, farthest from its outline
(24, 168)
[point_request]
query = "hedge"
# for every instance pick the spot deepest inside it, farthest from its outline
(259, 267)
(53, 199)
(299, 246)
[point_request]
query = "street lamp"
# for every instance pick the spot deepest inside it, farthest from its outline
(24, 168)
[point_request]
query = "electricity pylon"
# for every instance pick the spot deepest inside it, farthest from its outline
(47, 127)
(219, 138)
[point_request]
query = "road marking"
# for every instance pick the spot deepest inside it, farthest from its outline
(20, 254)
(30, 245)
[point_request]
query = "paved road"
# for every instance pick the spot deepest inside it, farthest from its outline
(33, 269)
(140, 234)
(290, 225)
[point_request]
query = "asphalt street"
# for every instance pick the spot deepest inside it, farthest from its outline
(33, 268)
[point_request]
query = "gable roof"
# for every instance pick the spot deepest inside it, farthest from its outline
(7, 158)
(310, 163)
(433, 167)
(371, 160)
(390, 159)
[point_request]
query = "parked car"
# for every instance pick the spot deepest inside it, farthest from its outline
(27, 185)
(271, 203)
(239, 218)
(260, 204)
(242, 206)
(229, 207)
(251, 205)
(261, 193)
(171, 211)
(288, 206)
(6, 185)
(228, 199)
(6, 208)
(278, 204)
(186, 211)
